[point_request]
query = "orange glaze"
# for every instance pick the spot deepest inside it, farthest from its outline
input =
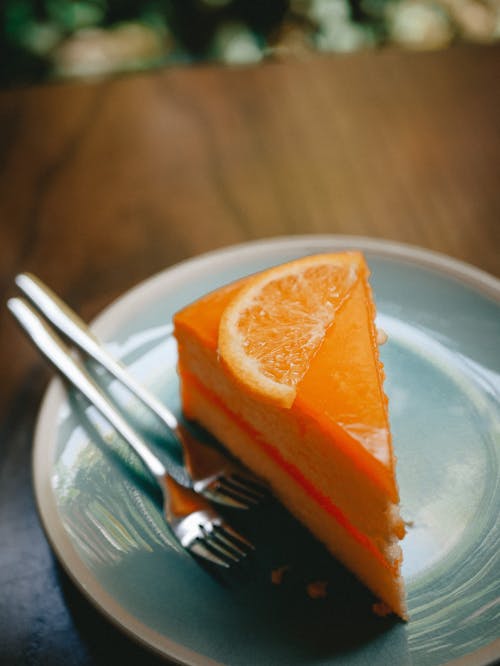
(348, 363)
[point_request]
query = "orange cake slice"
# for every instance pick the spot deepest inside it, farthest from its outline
(283, 368)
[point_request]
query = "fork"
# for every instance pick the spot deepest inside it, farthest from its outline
(211, 473)
(197, 525)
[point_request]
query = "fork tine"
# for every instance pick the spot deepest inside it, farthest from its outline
(232, 533)
(248, 479)
(198, 547)
(237, 486)
(220, 546)
(224, 487)
(208, 465)
(220, 535)
(213, 542)
(215, 493)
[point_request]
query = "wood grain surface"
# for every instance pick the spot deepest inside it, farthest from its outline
(103, 184)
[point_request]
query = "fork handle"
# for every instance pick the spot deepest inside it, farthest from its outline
(56, 352)
(75, 330)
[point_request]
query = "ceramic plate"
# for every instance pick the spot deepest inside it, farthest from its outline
(102, 514)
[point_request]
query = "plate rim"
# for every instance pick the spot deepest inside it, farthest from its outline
(146, 291)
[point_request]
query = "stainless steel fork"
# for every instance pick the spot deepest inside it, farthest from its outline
(212, 473)
(196, 524)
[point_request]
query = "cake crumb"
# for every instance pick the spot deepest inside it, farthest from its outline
(381, 609)
(317, 590)
(382, 336)
(277, 574)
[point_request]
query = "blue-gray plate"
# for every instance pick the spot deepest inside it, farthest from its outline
(101, 511)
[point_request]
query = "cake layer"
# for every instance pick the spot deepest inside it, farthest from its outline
(323, 519)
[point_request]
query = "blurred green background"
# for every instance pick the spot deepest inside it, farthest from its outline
(57, 39)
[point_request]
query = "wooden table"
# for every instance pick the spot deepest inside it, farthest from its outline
(103, 184)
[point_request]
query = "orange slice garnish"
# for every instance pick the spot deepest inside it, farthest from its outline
(271, 330)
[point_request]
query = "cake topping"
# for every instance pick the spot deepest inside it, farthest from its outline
(273, 327)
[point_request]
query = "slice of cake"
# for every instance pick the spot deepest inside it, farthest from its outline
(283, 368)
